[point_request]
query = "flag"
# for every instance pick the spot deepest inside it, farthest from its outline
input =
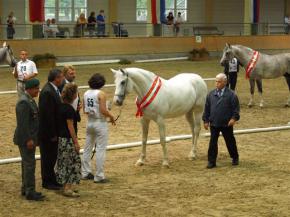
(156, 11)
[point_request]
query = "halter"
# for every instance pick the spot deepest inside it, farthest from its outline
(126, 83)
(10, 53)
(122, 95)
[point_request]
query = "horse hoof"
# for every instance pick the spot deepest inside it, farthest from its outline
(286, 105)
(250, 106)
(165, 164)
(191, 157)
(261, 106)
(139, 163)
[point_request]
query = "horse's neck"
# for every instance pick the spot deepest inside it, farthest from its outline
(142, 82)
(243, 54)
(2, 53)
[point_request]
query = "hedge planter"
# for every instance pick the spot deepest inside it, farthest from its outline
(45, 60)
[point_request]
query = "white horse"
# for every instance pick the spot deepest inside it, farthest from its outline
(158, 99)
(6, 54)
(259, 66)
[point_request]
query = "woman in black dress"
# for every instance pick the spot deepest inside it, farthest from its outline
(68, 165)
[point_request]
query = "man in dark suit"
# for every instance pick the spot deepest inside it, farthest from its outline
(26, 137)
(49, 102)
(69, 73)
(221, 112)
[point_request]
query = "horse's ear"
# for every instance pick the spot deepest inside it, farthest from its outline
(228, 45)
(114, 71)
(123, 71)
(4, 44)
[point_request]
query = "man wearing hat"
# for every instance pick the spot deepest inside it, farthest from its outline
(25, 137)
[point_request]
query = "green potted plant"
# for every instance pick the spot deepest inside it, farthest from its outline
(204, 54)
(194, 54)
(46, 60)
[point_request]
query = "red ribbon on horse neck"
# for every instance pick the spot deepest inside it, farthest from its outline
(251, 65)
(143, 103)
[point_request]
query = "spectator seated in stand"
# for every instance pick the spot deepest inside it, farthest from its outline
(50, 29)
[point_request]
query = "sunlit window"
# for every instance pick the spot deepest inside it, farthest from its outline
(64, 10)
(141, 10)
(174, 6)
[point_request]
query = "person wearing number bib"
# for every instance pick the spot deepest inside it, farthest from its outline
(97, 129)
(24, 71)
(231, 70)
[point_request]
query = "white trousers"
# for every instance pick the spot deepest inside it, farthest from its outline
(96, 133)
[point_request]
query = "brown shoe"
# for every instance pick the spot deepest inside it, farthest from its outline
(70, 193)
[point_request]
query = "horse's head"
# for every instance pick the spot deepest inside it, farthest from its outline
(123, 85)
(7, 52)
(228, 54)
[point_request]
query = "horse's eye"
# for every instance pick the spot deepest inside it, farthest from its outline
(123, 83)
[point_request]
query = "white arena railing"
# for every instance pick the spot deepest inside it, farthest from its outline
(83, 87)
(168, 139)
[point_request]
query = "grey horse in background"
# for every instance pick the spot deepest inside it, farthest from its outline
(6, 55)
(266, 67)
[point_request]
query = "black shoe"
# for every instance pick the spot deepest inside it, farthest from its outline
(102, 181)
(58, 185)
(23, 193)
(88, 177)
(35, 197)
(211, 165)
(51, 187)
(235, 162)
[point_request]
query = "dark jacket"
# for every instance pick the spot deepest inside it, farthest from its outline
(49, 102)
(78, 115)
(219, 110)
(27, 120)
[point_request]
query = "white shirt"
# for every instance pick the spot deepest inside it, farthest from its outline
(233, 65)
(25, 68)
(91, 104)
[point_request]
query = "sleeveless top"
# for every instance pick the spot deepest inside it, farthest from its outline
(233, 65)
(92, 106)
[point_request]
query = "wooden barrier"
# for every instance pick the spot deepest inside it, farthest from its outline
(143, 45)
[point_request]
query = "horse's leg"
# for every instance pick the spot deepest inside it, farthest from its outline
(194, 122)
(287, 78)
(161, 126)
(260, 90)
(252, 91)
(145, 127)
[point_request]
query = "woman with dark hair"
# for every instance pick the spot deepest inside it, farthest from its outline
(92, 23)
(97, 129)
(68, 165)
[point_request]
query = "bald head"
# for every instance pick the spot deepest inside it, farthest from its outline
(221, 81)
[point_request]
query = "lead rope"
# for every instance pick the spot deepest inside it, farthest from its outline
(94, 149)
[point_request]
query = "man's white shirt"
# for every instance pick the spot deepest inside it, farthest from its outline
(25, 68)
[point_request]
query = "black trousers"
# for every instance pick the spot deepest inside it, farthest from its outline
(229, 138)
(48, 152)
(28, 169)
(232, 80)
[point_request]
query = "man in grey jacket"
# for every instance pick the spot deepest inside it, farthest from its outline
(221, 112)
(25, 137)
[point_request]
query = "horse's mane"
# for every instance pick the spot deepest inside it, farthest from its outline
(133, 71)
